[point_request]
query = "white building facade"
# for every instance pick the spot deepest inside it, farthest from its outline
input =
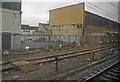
(11, 27)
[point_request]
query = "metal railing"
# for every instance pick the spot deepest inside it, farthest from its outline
(59, 57)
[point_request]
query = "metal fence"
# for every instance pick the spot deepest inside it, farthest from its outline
(43, 41)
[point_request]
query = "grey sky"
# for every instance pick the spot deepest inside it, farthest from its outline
(35, 11)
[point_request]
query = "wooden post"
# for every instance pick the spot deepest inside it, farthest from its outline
(93, 55)
(56, 63)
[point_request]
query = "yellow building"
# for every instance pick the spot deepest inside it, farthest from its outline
(67, 20)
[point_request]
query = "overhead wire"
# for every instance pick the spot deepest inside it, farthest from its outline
(103, 11)
(114, 6)
(111, 15)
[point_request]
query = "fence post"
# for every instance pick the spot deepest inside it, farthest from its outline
(93, 54)
(49, 41)
(68, 38)
(112, 50)
(56, 63)
(34, 41)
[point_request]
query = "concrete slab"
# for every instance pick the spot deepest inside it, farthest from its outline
(25, 66)
(28, 68)
(19, 63)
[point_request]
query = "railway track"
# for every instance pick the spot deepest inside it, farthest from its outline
(57, 58)
(10, 65)
(110, 74)
(84, 71)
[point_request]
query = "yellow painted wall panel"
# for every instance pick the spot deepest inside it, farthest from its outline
(67, 15)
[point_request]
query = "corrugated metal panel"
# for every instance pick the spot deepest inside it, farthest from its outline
(92, 19)
(99, 24)
(6, 41)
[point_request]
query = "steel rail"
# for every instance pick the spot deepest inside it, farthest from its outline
(64, 56)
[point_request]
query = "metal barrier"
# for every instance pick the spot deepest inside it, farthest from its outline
(57, 58)
(20, 41)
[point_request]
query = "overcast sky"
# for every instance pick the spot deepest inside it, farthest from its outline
(35, 11)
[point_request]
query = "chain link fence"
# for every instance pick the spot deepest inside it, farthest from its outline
(17, 42)
(42, 41)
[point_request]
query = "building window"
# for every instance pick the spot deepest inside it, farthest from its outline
(79, 26)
